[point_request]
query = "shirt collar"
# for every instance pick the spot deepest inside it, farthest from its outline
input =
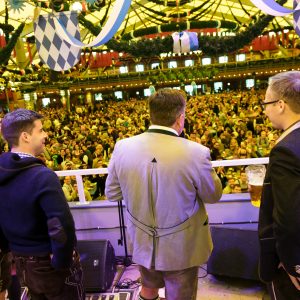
(23, 154)
(163, 128)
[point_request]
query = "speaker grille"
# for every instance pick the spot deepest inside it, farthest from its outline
(235, 252)
(98, 263)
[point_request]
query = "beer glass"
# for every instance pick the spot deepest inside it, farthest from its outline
(255, 176)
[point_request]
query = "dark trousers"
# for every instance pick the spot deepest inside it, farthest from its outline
(5, 270)
(282, 288)
(46, 283)
(14, 290)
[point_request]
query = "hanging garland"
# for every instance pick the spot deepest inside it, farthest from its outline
(106, 13)
(200, 14)
(5, 52)
(94, 29)
(170, 3)
(243, 8)
(171, 27)
(159, 13)
(172, 15)
(199, 7)
(7, 27)
(95, 5)
(210, 45)
(155, 18)
(187, 74)
(143, 47)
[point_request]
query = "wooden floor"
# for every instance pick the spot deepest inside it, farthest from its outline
(209, 287)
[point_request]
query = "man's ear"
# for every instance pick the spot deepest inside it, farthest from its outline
(282, 106)
(24, 137)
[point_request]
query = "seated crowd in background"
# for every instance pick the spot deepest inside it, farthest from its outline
(231, 124)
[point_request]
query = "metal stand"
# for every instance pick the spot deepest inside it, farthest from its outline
(122, 241)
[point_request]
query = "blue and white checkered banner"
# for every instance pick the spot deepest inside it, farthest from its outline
(58, 54)
(115, 20)
(272, 8)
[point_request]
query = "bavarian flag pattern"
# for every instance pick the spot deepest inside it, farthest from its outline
(58, 54)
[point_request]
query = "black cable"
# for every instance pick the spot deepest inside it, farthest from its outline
(128, 283)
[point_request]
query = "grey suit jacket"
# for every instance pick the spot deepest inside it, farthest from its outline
(164, 181)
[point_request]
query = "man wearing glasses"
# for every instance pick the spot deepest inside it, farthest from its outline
(279, 219)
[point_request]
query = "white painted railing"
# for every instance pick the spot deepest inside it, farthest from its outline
(216, 163)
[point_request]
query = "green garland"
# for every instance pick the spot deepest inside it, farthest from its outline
(170, 3)
(5, 52)
(7, 27)
(173, 15)
(187, 74)
(94, 29)
(171, 27)
(210, 45)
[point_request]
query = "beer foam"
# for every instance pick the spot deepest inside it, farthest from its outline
(256, 181)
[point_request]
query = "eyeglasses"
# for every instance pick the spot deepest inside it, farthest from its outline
(263, 104)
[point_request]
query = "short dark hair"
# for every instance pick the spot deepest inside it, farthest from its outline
(165, 106)
(16, 122)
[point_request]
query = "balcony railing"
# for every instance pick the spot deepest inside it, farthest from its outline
(99, 80)
(217, 163)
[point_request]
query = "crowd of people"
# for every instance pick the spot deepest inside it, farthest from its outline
(232, 124)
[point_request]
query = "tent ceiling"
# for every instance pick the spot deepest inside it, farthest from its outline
(142, 14)
(141, 17)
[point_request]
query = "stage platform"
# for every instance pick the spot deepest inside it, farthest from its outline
(210, 287)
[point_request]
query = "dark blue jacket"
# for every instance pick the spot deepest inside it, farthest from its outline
(34, 215)
(279, 218)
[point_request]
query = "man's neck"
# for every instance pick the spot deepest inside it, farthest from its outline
(176, 128)
(171, 128)
(21, 150)
(291, 121)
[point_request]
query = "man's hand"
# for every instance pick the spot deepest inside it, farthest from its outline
(295, 280)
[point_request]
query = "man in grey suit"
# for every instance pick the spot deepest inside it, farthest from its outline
(165, 181)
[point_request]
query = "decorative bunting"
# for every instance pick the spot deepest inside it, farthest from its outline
(272, 8)
(112, 25)
(16, 4)
(54, 51)
(58, 37)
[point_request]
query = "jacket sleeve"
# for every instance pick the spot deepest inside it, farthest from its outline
(208, 184)
(113, 190)
(61, 228)
(285, 182)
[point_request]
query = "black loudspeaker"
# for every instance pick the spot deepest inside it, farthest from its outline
(98, 263)
(236, 251)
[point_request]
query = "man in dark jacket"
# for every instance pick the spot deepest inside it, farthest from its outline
(279, 219)
(34, 215)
